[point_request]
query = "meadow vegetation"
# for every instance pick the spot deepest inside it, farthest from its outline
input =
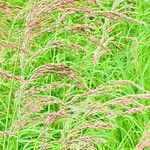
(75, 75)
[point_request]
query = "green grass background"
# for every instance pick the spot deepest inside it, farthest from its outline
(130, 63)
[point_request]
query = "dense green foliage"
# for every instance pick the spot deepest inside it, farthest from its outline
(72, 41)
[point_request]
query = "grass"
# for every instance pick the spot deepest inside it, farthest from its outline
(75, 105)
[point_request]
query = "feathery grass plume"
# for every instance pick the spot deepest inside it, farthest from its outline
(4, 8)
(48, 87)
(11, 45)
(8, 10)
(6, 133)
(37, 105)
(122, 102)
(145, 140)
(45, 146)
(37, 53)
(4, 74)
(6, 5)
(137, 110)
(38, 20)
(73, 136)
(102, 43)
(32, 108)
(108, 26)
(123, 82)
(102, 89)
(129, 104)
(58, 69)
(70, 122)
(38, 17)
(1, 57)
(117, 15)
(45, 6)
(126, 105)
(2, 31)
(27, 91)
(65, 45)
(61, 44)
(104, 47)
(82, 27)
(122, 110)
(138, 96)
(98, 54)
(51, 118)
(55, 116)
(93, 125)
(83, 142)
(20, 123)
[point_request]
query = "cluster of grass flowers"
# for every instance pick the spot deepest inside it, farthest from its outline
(74, 75)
